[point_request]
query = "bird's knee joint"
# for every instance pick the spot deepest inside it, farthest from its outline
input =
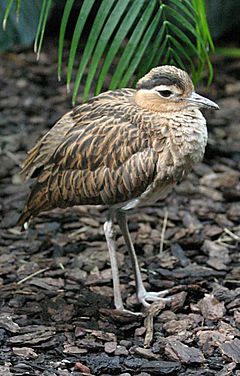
(109, 229)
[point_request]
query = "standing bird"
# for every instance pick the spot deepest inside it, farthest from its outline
(124, 149)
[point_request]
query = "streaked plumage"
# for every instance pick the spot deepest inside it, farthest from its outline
(123, 148)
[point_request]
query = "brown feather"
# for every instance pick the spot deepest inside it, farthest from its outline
(95, 154)
(118, 146)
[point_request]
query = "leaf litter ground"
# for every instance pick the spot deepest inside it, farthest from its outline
(57, 315)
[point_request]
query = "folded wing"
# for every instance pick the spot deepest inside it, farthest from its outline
(96, 154)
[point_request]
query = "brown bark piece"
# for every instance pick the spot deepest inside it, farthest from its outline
(177, 351)
(25, 352)
(211, 308)
(231, 349)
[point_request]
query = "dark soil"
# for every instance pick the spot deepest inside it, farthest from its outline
(56, 315)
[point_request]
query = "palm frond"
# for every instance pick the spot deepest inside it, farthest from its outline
(232, 52)
(6, 14)
(121, 34)
(204, 42)
(140, 50)
(65, 18)
(128, 37)
(111, 24)
(46, 6)
(98, 23)
(82, 18)
(19, 22)
(132, 44)
(177, 33)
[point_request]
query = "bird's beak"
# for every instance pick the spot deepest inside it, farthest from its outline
(200, 101)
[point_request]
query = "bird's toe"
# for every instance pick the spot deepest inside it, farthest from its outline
(152, 296)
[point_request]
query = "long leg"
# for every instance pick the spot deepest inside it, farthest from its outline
(111, 243)
(141, 292)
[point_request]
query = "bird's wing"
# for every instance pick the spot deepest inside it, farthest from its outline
(104, 157)
(39, 155)
(79, 117)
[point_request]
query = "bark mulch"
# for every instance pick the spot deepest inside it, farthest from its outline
(57, 315)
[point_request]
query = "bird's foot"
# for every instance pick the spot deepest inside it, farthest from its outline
(126, 312)
(150, 296)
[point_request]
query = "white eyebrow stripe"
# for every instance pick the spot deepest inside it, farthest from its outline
(164, 87)
(174, 89)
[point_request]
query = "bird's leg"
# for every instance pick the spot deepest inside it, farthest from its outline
(111, 243)
(142, 295)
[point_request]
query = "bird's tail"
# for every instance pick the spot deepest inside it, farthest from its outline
(24, 218)
(37, 202)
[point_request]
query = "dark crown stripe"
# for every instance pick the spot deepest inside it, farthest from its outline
(162, 80)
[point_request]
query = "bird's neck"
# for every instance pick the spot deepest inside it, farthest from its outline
(180, 137)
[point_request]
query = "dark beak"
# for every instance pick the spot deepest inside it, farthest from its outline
(200, 101)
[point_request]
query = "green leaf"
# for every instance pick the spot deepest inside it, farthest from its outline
(6, 14)
(139, 34)
(183, 9)
(210, 68)
(41, 17)
(108, 29)
(158, 56)
(189, 4)
(43, 26)
(141, 49)
(132, 45)
(180, 20)
(19, 31)
(228, 52)
(183, 37)
(181, 50)
(204, 43)
(201, 21)
(64, 21)
(97, 26)
(18, 10)
(156, 47)
(124, 28)
(177, 59)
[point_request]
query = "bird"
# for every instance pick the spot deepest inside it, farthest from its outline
(124, 149)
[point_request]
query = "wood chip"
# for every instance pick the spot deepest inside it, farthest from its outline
(33, 338)
(176, 350)
(211, 308)
(7, 323)
(82, 368)
(25, 352)
(231, 349)
(144, 353)
(71, 349)
(218, 255)
(110, 347)
(154, 309)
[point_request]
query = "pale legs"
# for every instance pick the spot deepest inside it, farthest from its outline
(111, 243)
(142, 295)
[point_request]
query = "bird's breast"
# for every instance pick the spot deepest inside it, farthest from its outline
(185, 138)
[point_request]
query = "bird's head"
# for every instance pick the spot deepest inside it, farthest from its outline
(168, 88)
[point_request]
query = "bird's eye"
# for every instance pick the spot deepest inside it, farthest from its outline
(165, 93)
